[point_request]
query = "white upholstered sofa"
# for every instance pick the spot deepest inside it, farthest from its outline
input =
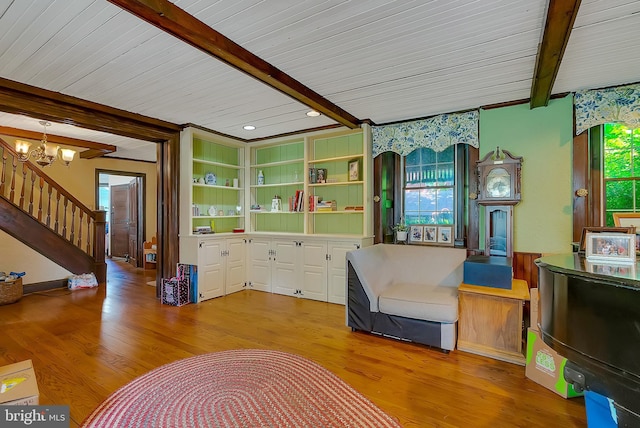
(408, 292)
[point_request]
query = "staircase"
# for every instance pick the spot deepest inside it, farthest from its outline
(38, 212)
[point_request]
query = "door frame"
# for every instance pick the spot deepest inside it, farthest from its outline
(141, 201)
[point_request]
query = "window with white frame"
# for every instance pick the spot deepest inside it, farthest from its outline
(429, 186)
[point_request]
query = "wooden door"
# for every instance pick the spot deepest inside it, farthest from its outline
(132, 239)
(119, 227)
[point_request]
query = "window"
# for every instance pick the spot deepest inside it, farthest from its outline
(621, 155)
(429, 186)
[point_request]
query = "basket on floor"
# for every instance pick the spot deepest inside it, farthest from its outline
(10, 291)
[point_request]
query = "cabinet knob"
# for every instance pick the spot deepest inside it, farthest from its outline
(376, 198)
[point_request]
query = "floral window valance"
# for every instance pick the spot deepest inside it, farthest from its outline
(436, 133)
(613, 105)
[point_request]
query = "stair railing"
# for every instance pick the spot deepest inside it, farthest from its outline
(27, 187)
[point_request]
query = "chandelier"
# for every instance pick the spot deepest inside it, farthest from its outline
(46, 153)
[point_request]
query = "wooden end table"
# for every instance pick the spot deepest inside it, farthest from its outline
(490, 321)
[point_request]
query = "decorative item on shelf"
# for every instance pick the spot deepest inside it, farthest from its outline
(226, 183)
(430, 234)
(211, 178)
(212, 211)
(354, 170)
(313, 175)
(255, 207)
(231, 212)
(321, 175)
(238, 209)
(195, 210)
(401, 230)
(260, 178)
(220, 213)
(445, 235)
(235, 182)
(415, 233)
(201, 180)
(46, 153)
(276, 204)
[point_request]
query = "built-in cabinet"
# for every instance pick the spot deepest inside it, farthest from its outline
(311, 268)
(221, 264)
(258, 215)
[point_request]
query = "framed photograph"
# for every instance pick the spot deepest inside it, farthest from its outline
(415, 234)
(354, 170)
(611, 247)
(585, 230)
(430, 234)
(445, 235)
(321, 175)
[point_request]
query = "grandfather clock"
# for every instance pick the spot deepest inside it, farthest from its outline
(498, 192)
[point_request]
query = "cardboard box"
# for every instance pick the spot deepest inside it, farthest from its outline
(488, 271)
(533, 308)
(546, 367)
(18, 385)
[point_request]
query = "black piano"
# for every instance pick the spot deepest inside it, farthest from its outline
(590, 314)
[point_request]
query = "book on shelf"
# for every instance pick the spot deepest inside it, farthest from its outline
(296, 202)
(354, 208)
(324, 206)
(313, 202)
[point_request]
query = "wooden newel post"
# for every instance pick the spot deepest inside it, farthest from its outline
(99, 232)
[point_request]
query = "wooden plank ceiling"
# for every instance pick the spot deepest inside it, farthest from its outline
(380, 60)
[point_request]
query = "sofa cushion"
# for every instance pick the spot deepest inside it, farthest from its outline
(419, 301)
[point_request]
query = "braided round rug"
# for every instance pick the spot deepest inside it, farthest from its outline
(239, 388)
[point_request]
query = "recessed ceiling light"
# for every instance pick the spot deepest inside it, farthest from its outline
(313, 113)
(248, 127)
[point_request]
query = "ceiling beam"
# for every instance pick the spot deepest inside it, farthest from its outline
(175, 21)
(95, 149)
(560, 17)
(42, 104)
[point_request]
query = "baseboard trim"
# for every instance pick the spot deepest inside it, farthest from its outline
(44, 286)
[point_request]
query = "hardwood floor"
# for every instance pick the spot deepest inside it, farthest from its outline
(87, 343)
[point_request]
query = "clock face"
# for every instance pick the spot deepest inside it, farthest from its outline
(498, 183)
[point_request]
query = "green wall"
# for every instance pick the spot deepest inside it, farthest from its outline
(543, 137)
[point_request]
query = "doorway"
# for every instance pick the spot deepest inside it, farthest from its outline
(121, 195)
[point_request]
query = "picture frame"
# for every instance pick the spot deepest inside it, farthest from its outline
(626, 219)
(416, 233)
(611, 247)
(583, 241)
(354, 170)
(321, 175)
(445, 235)
(430, 234)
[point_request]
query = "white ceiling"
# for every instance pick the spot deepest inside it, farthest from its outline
(377, 59)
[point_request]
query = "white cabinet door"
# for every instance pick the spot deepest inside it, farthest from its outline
(337, 270)
(235, 266)
(313, 279)
(210, 270)
(285, 268)
(259, 264)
